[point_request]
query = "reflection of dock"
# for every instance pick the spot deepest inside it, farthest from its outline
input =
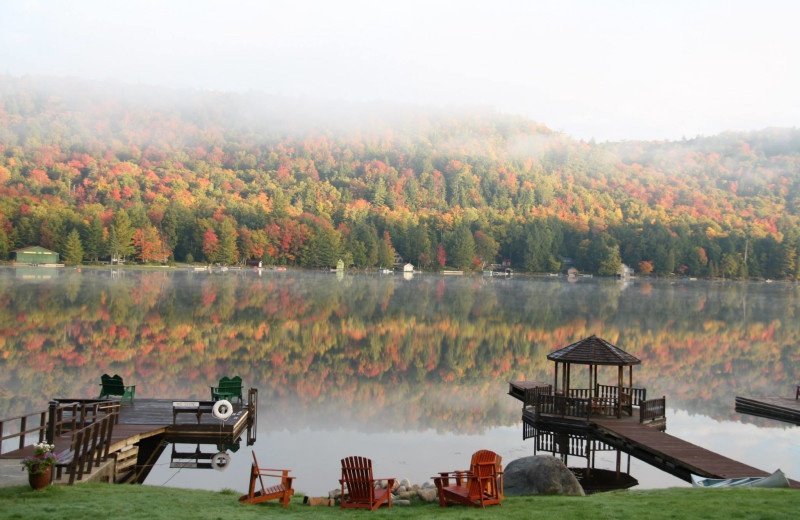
(112, 442)
(784, 409)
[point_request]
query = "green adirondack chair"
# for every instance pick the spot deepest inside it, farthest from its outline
(228, 388)
(113, 386)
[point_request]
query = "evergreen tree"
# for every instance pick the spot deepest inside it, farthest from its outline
(323, 248)
(93, 239)
(461, 247)
(124, 234)
(113, 245)
(73, 248)
(226, 252)
(4, 244)
(486, 247)
(385, 251)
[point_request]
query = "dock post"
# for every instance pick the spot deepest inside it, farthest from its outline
(51, 422)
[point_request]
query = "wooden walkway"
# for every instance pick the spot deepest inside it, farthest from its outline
(147, 418)
(146, 426)
(786, 409)
(671, 454)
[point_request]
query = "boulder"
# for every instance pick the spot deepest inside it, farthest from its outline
(540, 475)
(428, 494)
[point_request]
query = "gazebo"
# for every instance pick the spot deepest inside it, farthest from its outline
(594, 352)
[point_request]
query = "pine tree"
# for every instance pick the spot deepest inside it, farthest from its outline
(124, 232)
(461, 247)
(226, 252)
(73, 248)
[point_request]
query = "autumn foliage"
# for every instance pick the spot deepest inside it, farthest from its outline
(273, 184)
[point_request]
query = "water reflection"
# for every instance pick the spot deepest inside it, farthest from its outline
(404, 371)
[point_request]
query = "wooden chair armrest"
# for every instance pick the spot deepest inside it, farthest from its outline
(275, 475)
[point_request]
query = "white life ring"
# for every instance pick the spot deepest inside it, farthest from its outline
(222, 409)
(220, 461)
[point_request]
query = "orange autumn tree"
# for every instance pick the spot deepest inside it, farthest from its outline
(150, 246)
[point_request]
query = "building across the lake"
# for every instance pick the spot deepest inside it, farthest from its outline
(36, 255)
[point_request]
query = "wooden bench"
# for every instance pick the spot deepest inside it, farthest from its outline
(197, 408)
(228, 388)
(113, 386)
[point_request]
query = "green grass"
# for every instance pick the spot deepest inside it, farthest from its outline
(96, 501)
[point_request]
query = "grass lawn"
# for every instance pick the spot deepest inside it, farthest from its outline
(95, 501)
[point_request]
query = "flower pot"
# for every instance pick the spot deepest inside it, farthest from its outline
(40, 480)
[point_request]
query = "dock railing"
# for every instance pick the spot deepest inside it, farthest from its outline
(653, 409)
(22, 427)
(89, 447)
(67, 415)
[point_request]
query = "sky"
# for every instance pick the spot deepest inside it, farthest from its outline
(603, 70)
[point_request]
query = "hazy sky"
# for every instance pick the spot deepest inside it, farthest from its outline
(604, 69)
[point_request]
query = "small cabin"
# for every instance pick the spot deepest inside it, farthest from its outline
(625, 272)
(36, 255)
(408, 268)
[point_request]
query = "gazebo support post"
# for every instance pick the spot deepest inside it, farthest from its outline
(619, 392)
(555, 382)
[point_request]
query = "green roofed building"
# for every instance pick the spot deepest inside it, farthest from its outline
(36, 255)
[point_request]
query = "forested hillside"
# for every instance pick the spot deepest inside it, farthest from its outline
(101, 170)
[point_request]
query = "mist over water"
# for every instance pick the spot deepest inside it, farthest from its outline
(412, 373)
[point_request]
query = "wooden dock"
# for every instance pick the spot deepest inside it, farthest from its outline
(671, 454)
(786, 409)
(141, 430)
(643, 439)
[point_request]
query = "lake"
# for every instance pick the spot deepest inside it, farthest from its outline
(411, 372)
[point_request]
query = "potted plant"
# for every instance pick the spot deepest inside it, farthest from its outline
(40, 465)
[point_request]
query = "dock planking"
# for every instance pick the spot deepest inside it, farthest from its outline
(678, 457)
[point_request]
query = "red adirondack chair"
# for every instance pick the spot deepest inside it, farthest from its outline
(358, 485)
(478, 487)
(282, 491)
(486, 455)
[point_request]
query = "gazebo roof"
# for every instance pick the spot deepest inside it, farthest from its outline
(593, 351)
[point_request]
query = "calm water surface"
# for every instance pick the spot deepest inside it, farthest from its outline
(409, 372)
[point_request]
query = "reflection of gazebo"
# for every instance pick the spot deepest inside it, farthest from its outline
(593, 352)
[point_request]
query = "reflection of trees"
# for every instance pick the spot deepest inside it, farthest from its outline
(432, 352)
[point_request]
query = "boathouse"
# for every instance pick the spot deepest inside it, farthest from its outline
(36, 255)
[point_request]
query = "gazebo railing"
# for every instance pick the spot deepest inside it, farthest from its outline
(562, 406)
(575, 405)
(638, 395)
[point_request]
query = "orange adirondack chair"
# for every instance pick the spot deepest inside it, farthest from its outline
(485, 455)
(282, 491)
(478, 487)
(360, 485)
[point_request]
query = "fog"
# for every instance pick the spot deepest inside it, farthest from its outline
(629, 70)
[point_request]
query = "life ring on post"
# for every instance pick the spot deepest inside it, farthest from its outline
(220, 461)
(222, 409)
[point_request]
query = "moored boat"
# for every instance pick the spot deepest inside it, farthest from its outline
(776, 480)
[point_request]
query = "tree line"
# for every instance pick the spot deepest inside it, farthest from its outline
(100, 176)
